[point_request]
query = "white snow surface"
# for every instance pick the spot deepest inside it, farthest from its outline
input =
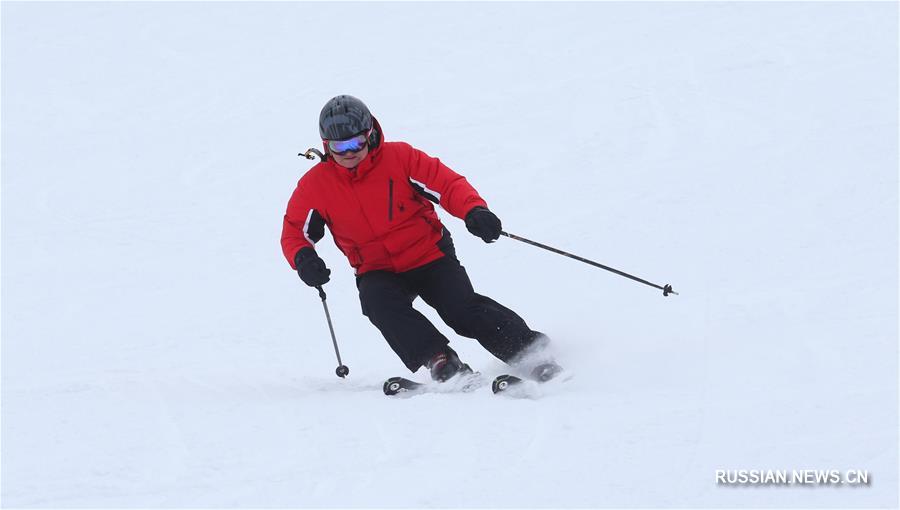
(158, 351)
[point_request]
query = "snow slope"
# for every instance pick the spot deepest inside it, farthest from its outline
(157, 351)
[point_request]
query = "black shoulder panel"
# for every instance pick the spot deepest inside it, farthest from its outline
(420, 190)
(316, 228)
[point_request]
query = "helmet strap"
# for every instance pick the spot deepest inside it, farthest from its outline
(374, 139)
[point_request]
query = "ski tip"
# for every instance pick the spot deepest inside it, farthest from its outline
(393, 386)
(396, 385)
(503, 382)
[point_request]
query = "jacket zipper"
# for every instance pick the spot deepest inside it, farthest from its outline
(390, 199)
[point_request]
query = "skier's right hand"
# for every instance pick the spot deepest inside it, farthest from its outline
(311, 267)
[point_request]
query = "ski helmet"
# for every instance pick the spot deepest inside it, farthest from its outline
(344, 117)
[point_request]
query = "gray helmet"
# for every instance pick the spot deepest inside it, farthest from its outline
(344, 117)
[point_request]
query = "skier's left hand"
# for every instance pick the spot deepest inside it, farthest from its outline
(484, 224)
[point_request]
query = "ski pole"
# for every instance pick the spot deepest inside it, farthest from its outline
(342, 369)
(667, 289)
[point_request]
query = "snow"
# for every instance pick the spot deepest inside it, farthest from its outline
(157, 350)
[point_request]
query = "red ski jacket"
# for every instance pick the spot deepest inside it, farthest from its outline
(379, 214)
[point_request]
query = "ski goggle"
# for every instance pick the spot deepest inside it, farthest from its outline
(355, 144)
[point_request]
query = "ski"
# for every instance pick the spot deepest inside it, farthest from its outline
(395, 385)
(503, 382)
(540, 374)
(465, 383)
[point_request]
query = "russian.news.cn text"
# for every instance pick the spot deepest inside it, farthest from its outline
(788, 477)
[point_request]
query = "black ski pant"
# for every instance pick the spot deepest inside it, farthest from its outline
(387, 300)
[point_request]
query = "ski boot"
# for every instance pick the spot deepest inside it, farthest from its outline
(543, 372)
(446, 364)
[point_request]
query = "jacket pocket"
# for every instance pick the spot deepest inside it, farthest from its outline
(390, 199)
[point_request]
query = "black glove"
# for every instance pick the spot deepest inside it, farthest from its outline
(484, 224)
(311, 267)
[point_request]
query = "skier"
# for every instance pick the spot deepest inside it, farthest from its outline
(374, 197)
